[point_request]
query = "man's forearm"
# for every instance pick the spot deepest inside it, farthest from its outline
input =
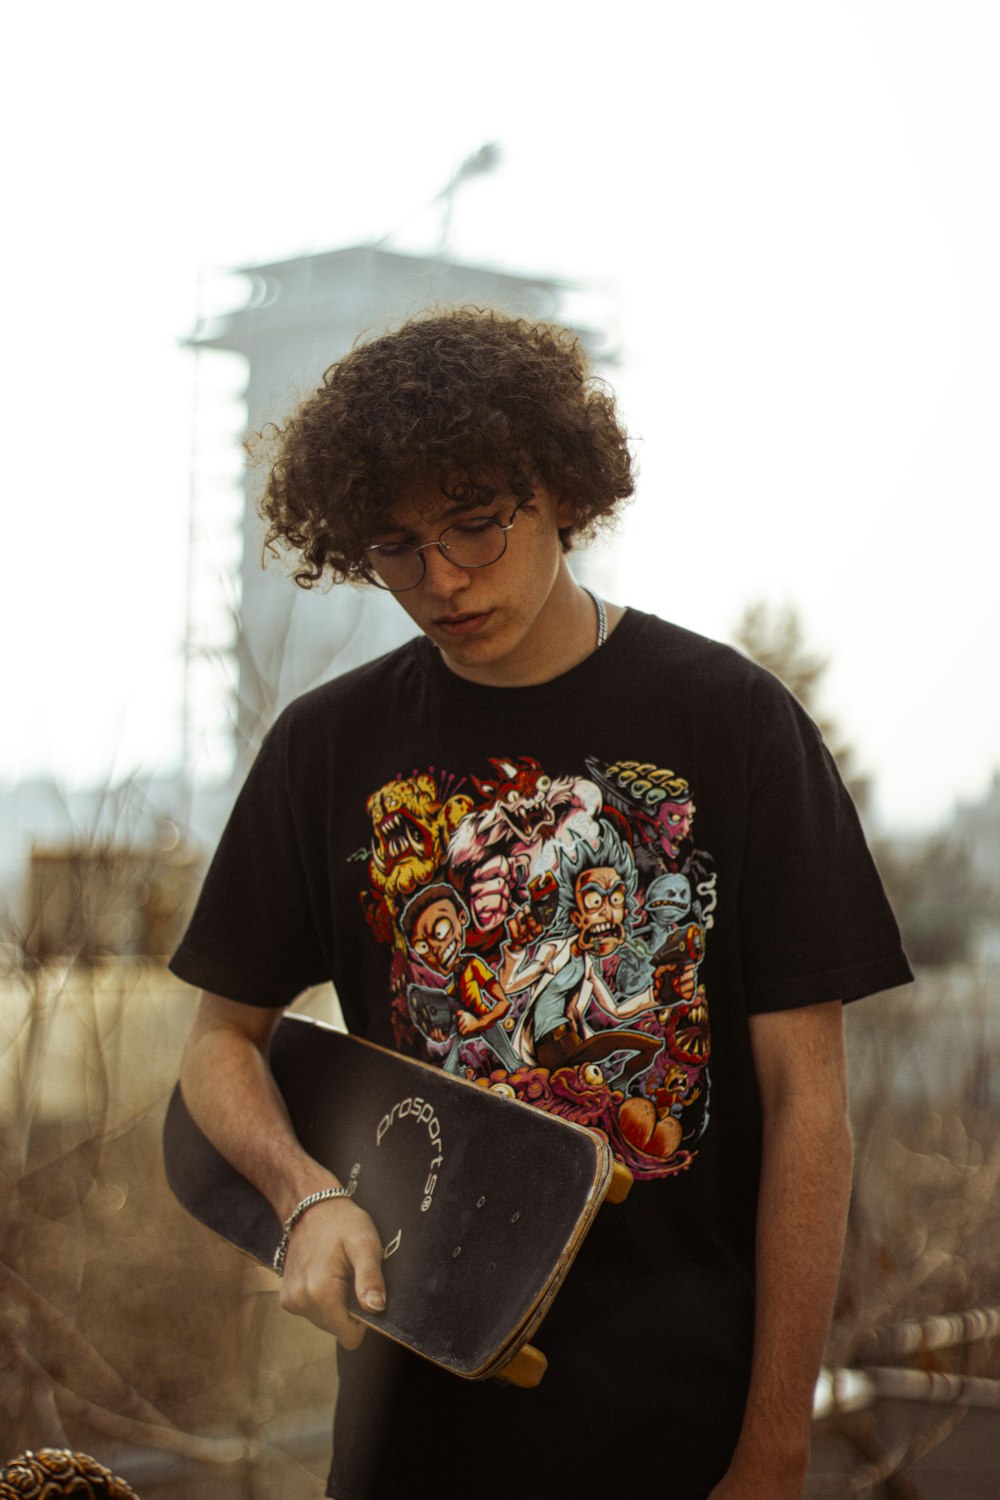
(230, 1091)
(228, 1088)
(804, 1193)
(802, 1210)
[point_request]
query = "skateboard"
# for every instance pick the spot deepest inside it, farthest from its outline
(481, 1201)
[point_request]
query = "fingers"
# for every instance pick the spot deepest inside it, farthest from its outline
(326, 1306)
(333, 1248)
(369, 1285)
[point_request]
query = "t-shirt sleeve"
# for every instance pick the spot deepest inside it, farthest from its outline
(254, 934)
(815, 921)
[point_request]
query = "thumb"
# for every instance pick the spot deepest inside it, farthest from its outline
(369, 1286)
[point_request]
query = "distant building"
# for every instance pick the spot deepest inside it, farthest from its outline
(110, 871)
(303, 315)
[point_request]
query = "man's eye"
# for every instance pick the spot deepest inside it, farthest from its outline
(592, 900)
(390, 549)
(474, 526)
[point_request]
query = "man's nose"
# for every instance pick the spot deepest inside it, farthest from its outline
(442, 576)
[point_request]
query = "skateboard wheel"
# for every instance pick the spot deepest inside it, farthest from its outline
(526, 1369)
(620, 1185)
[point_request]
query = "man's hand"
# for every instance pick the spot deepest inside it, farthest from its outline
(802, 1207)
(333, 1248)
(231, 1093)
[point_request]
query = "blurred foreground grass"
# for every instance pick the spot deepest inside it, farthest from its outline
(125, 1329)
(128, 1331)
(922, 1243)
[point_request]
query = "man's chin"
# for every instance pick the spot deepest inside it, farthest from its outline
(486, 647)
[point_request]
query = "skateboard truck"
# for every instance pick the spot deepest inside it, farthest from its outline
(525, 1369)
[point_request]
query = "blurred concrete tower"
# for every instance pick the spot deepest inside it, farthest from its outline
(301, 316)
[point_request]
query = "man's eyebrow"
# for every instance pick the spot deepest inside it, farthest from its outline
(394, 529)
(478, 507)
(478, 503)
(389, 528)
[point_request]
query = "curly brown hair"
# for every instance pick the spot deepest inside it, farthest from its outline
(467, 400)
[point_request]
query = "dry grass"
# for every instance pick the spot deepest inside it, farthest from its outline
(923, 1234)
(128, 1331)
(124, 1327)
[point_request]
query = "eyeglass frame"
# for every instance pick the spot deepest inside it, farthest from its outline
(366, 572)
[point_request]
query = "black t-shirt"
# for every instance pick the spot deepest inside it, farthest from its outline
(609, 873)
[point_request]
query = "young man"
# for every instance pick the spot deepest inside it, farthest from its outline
(528, 728)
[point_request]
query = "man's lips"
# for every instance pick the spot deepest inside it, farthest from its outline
(461, 624)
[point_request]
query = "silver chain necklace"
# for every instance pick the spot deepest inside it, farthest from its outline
(602, 616)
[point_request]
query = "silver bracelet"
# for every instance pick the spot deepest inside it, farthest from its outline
(296, 1214)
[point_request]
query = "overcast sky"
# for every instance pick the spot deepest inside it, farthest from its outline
(791, 215)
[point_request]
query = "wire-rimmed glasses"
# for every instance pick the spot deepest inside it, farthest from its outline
(472, 542)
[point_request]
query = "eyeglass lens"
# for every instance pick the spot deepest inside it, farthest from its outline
(474, 543)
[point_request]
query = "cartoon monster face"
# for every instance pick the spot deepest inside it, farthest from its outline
(438, 936)
(520, 800)
(688, 1039)
(600, 911)
(410, 831)
(656, 801)
(673, 824)
(523, 805)
(668, 898)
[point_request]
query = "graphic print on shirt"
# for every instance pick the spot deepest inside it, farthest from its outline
(547, 933)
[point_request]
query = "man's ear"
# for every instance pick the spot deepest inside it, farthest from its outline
(565, 515)
(563, 511)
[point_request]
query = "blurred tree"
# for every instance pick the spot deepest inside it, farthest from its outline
(938, 899)
(772, 635)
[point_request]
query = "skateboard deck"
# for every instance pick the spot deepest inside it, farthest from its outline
(481, 1201)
